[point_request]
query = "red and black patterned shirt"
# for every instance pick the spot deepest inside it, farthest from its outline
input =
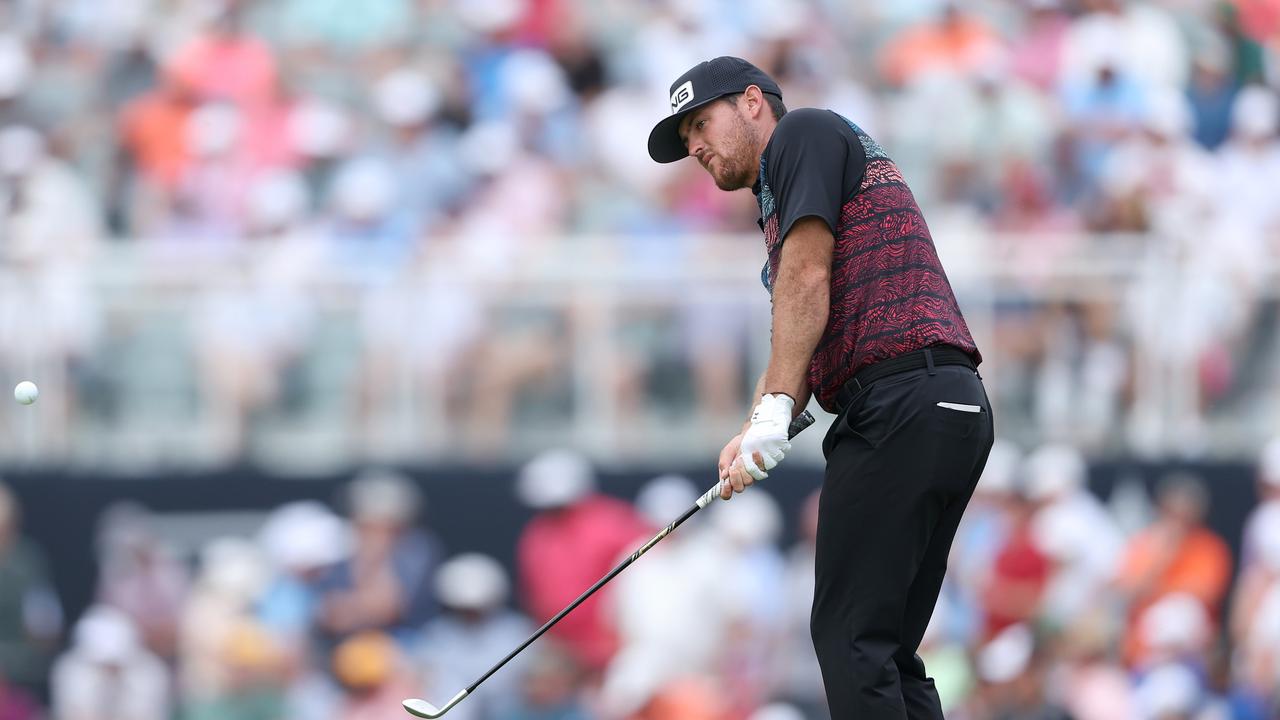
(889, 294)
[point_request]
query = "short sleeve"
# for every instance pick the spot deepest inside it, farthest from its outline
(814, 164)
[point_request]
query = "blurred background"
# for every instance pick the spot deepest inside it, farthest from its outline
(368, 336)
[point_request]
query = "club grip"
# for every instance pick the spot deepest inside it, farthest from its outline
(799, 423)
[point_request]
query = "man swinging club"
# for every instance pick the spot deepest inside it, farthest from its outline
(865, 320)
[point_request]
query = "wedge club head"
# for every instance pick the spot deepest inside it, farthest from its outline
(424, 709)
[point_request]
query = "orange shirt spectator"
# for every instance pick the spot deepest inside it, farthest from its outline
(153, 129)
(1176, 554)
(1198, 563)
(956, 43)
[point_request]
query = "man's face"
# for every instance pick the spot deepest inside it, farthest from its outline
(719, 137)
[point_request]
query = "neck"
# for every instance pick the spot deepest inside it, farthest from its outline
(766, 128)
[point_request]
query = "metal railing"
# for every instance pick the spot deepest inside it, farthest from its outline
(300, 358)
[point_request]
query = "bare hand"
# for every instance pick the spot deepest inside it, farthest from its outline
(738, 479)
(728, 454)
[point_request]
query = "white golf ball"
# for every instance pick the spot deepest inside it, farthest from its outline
(26, 392)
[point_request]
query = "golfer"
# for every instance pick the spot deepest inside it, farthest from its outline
(864, 320)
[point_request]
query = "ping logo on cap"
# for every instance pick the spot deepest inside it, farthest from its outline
(681, 96)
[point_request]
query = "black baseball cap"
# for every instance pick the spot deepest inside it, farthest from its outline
(703, 83)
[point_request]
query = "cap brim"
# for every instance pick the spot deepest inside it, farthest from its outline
(665, 145)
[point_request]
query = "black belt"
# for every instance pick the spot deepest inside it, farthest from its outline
(915, 360)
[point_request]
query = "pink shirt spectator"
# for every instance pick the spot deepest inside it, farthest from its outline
(563, 552)
(1036, 53)
(230, 67)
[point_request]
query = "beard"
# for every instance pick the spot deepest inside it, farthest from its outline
(735, 161)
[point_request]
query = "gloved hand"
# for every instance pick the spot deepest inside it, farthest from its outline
(767, 435)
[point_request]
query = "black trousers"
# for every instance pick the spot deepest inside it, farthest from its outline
(900, 471)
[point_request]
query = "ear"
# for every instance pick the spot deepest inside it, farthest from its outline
(753, 101)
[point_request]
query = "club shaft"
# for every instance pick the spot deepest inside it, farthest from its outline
(801, 422)
(583, 597)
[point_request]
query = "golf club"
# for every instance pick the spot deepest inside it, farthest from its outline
(424, 709)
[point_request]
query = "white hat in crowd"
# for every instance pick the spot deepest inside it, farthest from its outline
(1007, 655)
(1054, 470)
(405, 97)
(319, 128)
(556, 478)
(364, 190)
(472, 581)
(1000, 476)
(1168, 691)
(749, 519)
(663, 498)
(232, 568)
(106, 635)
(1256, 113)
(304, 535)
(1062, 531)
(277, 199)
(1176, 622)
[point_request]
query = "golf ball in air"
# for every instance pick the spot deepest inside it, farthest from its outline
(26, 392)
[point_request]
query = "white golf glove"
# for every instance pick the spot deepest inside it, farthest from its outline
(767, 435)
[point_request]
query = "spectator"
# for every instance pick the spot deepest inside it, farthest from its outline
(1176, 554)
(386, 583)
(231, 578)
(107, 674)
(576, 537)
(552, 687)
(1094, 684)
(984, 530)
(1137, 40)
(1172, 173)
(1103, 108)
(1014, 587)
(18, 704)
(225, 64)
(302, 540)
(654, 622)
(1011, 669)
(1255, 619)
(1267, 482)
(1036, 51)
(255, 670)
(141, 576)
(800, 677)
(749, 566)
(30, 612)
(1212, 92)
(1176, 629)
(473, 633)
(1072, 528)
(955, 42)
(374, 674)
(1250, 155)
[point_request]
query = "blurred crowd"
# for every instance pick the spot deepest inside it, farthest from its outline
(424, 155)
(1057, 605)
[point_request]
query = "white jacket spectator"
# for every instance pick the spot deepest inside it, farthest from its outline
(107, 674)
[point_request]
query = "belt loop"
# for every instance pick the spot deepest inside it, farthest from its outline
(928, 361)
